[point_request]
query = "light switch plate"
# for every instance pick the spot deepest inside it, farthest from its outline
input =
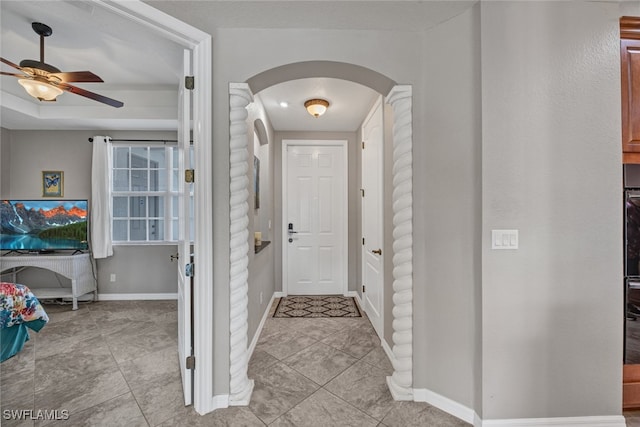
(504, 239)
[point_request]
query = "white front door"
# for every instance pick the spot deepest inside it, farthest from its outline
(315, 217)
(185, 221)
(372, 231)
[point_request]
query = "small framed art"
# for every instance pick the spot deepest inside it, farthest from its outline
(52, 184)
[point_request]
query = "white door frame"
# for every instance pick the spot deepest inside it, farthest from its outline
(380, 212)
(401, 381)
(199, 43)
(286, 143)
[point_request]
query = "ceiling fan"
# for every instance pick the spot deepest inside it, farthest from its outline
(45, 82)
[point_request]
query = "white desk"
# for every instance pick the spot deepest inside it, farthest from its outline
(79, 268)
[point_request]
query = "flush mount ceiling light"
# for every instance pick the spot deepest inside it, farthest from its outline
(316, 107)
(40, 89)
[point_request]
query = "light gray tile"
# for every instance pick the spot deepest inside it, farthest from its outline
(17, 396)
(378, 358)
(127, 305)
(60, 337)
(356, 341)
(320, 362)
(20, 364)
(64, 313)
(632, 418)
(417, 414)
(112, 322)
(260, 360)
(138, 343)
(158, 306)
(161, 400)
(235, 416)
(144, 371)
(75, 396)
(119, 411)
(285, 343)
(278, 389)
(323, 409)
(84, 358)
(318, 328)
(365, 387)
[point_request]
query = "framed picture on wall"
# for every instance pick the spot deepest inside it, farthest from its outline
(52, 184)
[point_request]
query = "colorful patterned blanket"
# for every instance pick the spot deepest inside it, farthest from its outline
(19, 305)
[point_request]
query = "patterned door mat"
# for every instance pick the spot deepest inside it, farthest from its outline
(317, 306)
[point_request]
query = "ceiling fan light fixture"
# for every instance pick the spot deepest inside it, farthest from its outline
(40, 90)
(316, 107)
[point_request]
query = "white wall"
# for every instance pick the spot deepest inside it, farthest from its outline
(551, 167)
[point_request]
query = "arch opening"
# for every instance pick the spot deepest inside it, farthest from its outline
(399, 97)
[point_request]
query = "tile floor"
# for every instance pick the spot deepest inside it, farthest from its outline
(115, 364)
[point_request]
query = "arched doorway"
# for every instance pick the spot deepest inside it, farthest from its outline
(400, 98)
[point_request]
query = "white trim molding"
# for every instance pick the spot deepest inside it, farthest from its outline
(256, 336)
(400, 382)
(286, 143)
(137, 297)
(597, 421)
(200, 43)
(444, 403)
(240, 387)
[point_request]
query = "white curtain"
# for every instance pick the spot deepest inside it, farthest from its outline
(101, 167)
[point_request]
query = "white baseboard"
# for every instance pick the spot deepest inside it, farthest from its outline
(469, 415)
(220, 401)
(444, 403)
(256, 336)
(598, 421)
(128, 297)
(355, 295)
(388, 350)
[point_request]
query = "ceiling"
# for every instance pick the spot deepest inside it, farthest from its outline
(143, 70)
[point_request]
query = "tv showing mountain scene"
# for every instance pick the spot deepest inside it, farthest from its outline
(43, 225)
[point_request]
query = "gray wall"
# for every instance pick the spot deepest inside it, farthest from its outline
(5, 165)
(261, 281)
(538, 332)
(447, 211)
(552, 311)
(34, 151)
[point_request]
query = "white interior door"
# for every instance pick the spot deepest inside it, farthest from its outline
(185, 189)
(315, 219)
(372, 226)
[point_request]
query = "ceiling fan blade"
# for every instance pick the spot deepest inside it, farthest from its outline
(90, 95)
(78, 76)
(13, 74)
(11, 64)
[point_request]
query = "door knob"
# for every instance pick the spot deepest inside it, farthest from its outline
(175, 257)
(377, 251)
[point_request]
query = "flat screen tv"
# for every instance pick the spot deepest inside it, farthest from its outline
(43, 225)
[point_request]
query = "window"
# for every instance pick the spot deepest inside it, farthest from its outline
(145, 190)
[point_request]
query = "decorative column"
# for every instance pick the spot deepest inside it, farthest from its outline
(240, 387)
(401, 382)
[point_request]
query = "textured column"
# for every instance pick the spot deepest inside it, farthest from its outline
(401, 382)
(240, 387)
